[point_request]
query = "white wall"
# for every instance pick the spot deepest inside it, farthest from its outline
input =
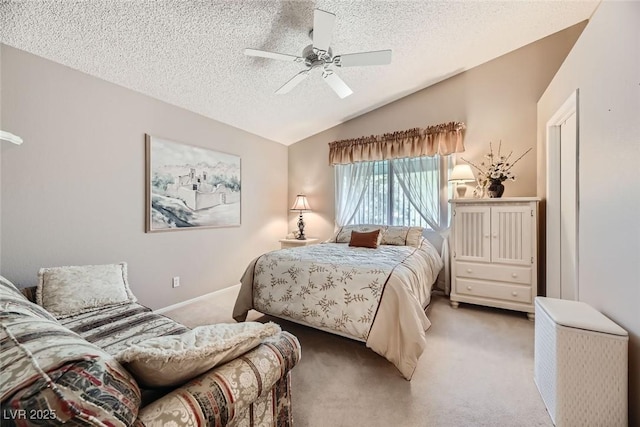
(605, 66)
(73, 193)
(497, 101)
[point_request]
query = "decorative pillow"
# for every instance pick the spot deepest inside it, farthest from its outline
(343, 235)
(12, 301)
(68, 291)
(402, 236)
(368, 239)
(49, 370)
(8, 286)
(172, 360)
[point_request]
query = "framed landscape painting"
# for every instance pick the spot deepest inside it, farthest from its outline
(190, 187)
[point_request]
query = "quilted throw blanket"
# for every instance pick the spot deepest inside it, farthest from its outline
(371, 295)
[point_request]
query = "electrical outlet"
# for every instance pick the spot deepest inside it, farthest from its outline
(175, 282)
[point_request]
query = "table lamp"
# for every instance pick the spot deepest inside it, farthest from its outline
(461, 175)
(301, 205)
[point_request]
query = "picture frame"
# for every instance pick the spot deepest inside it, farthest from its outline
(190, 187)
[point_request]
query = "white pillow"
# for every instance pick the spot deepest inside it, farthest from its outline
(172, 360)
(68, 291)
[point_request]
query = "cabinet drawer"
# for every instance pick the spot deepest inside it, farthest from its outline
(503, 291)
(502, 273)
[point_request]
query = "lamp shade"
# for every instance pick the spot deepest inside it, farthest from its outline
(462, 173)
(301, 203)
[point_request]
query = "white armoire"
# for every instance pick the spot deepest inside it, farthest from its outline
(494, 252)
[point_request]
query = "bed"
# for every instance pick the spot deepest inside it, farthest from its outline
(377, 296)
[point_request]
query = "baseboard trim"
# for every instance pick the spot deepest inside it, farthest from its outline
(192, 300)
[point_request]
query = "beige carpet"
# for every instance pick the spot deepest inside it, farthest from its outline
(477, 370)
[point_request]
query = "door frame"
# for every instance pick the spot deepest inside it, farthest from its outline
(569, 107)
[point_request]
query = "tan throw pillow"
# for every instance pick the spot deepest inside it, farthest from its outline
(399, 235)
(369, 239)
(172, 360)
(68, 291)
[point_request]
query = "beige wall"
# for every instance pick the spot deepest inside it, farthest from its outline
(73, 193)
(605, 66)
(497, 101)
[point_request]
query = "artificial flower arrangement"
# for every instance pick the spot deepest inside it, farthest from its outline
(496, 168)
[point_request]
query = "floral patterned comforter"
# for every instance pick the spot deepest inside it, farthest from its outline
(372, 295)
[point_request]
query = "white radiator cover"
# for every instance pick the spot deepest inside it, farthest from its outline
(581, 364)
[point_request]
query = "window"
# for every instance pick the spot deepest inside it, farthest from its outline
(401, 192)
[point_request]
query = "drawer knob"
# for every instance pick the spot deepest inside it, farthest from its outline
(468, 270)
(514, 293)
(486, 236)
(514, 275)
(495, 235)
(468, 288)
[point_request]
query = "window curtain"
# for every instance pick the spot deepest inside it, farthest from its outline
(442, 139)
(351, 183)
(425, 196)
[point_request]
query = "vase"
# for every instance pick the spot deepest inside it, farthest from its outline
(496, 189)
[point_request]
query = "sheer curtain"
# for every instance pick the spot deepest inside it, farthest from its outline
(424, 182)
(351, 183)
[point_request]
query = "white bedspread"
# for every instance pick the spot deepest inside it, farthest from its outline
(372, 295)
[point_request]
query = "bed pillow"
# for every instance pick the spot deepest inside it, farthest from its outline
(68, 291)
(172, 360)
(402, 236)
(367, 239)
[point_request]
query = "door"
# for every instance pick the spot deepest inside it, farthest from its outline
(562, 202)
(511, 235)
(472, 225)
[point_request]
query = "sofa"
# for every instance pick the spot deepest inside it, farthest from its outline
(63, 371)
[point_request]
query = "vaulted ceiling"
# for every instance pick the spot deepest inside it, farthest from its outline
(190, 53)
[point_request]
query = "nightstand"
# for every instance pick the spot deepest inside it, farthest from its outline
(292, 243)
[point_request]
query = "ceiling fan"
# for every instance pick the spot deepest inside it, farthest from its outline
(319, 55)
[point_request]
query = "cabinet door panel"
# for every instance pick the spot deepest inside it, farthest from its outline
(472, 225)
(511, 235)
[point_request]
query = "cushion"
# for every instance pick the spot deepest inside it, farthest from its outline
(343, 234)
(173, 360)
(367, 239)
(400, 235)
(13, 301)
(49, 370)
(68, 291)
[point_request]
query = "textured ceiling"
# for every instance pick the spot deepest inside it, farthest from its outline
(190, 53)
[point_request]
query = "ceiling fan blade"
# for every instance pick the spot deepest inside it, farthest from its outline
(322, 29)
(293, 82)
(378, 57)
(337, 84)
(272, 55)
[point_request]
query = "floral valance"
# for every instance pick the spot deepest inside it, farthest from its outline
(442, 139)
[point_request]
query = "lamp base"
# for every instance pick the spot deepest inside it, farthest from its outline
(301, 236)
(461, 190)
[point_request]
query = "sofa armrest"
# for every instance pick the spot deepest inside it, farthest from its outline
(216, 397)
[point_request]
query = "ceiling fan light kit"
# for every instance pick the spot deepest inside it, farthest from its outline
(319, 55)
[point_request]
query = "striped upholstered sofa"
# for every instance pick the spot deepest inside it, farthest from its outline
(63, 372)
